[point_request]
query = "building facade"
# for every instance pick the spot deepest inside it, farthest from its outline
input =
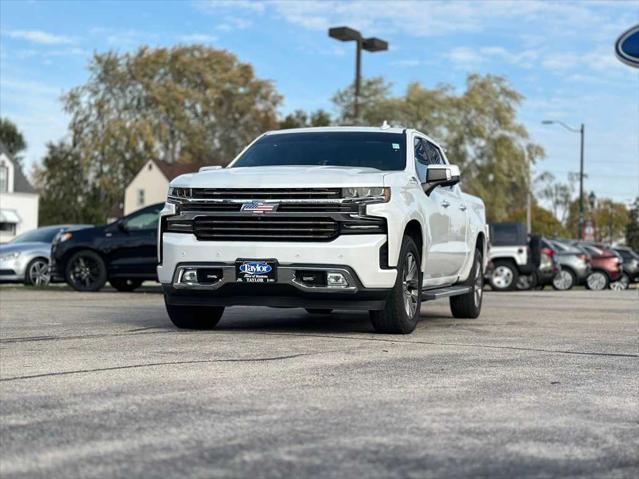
(18, 199)
(151, 183)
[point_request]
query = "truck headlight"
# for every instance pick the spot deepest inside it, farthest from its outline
(176, 194)
(367, 194)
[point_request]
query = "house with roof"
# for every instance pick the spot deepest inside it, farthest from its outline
(151, 184)
(18, 199)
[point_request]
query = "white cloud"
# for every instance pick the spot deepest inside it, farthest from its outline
(38, 36)
(214, 6)
(233, 23)
(197, 38)
(474, 57)
(407, 63)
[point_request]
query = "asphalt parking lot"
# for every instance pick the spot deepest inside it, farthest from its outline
(101, 385)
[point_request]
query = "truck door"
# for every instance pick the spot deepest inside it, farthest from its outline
(435, 214)
(454, 249)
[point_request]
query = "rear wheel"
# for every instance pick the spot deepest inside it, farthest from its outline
(401, 311)
(37, 272)
(469, 305)
(504, 276)
(194, 317)
(125, 285)
(86, 271)
(318, 311)
(597, 280)
(564, 280)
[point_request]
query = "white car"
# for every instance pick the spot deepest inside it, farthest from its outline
(324, 218)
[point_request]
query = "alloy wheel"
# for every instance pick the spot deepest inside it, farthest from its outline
(502, 277)
(410, 285)
(621, 284)
(596, 281)
(562, 280)
(478, 285)
(84, 271)
(39, 274)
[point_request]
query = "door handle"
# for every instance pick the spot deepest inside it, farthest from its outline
(445, 204)
(462, 207)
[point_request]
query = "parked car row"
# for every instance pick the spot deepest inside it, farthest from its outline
(521, 261)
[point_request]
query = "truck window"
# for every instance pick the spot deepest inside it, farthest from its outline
(382, 151)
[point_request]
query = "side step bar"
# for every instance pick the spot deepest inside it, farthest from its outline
(438, 293)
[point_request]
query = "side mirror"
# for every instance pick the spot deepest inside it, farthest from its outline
(440, 175)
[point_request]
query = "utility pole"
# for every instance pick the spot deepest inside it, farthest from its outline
(347, 34)
(581, 131)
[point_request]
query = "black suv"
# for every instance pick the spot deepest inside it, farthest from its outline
(123, 252)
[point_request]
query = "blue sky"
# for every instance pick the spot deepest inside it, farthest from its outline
(559, 55)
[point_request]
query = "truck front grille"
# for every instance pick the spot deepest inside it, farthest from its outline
(265, 228)
(267, 194)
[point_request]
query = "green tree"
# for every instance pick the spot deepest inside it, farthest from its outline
(181, 104)
(12, 138)
(632, 227)
(610, 218)
(65, 194)
(300, 119)
(543, 221)
(478, 129)
(374, 93)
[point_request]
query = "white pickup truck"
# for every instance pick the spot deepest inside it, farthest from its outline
(324, 218)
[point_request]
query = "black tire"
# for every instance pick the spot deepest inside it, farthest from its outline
(396, 318)
(526, 282)
(600, 283)
(564, 280)
(504, 275)
(469, 305)
(37, 272)
(86, 271)
(126, 285)
(194, 317)
(318, 311)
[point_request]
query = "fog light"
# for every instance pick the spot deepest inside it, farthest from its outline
(189, 276)
(336, 280)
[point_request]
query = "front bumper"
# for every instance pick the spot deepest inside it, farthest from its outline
(288, 290)
(358, 253)
(12, 270)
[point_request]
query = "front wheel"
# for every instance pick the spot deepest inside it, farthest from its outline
(86, 271)
(504, 276)
(194, 317)
(469, 305)
(597, 280)
(37, 272)
(401, 311)
(564, 280)
(125, 285)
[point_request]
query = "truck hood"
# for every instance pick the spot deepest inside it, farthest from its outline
(282, 177)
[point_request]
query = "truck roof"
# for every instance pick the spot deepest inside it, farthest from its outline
(320, 129)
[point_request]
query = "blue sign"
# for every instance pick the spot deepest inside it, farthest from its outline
(627, 47)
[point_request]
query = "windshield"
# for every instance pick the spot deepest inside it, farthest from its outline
(382, 151)
(41, 235)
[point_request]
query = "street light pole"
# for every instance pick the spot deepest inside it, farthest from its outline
(581, 131)
(346, 34)
(581, 184)
(358, 75)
